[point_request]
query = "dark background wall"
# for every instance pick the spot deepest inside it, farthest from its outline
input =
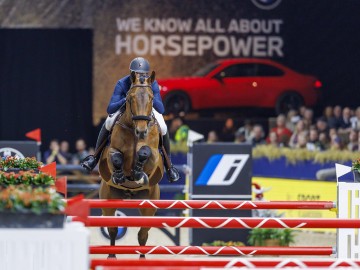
(46, 82)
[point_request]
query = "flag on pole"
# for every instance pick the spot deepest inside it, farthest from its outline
(50, 169)
(342, 170)
(34, 134)
(61, 185)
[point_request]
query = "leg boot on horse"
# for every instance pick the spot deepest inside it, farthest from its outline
(117, 160)
(172, 173)
(89, 163)
(142, 156)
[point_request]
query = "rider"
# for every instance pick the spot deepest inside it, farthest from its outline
(142, 68)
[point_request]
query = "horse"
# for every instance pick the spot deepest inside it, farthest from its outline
(131, 166)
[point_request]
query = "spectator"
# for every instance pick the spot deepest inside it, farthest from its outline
(181, 134)
(313, 144)
(324, 140)
(53, 153)
(335, 120)
(291, 119)
(273, 139)
(355, 120)
(212, 137)
(302, 140)
(282, 132)
(64, 151)
(300, 127)
(335, 142)
(322, 125)
(353, 141)
(174, 126)
(345, 123)
(248, 125)
(81, 152)
(240, 135)
(328, 113)
(308, 117)
(257, 135)
(228, 131)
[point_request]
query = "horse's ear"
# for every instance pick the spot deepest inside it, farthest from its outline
(152, 77)
(132, 76)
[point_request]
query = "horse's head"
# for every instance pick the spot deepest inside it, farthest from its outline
(140, 101)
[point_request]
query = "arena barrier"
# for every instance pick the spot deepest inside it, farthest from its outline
(247, 263)
(212, 250)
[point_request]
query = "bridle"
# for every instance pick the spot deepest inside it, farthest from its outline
(138, 117)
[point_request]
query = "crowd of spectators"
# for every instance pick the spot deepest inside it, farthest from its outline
(337, 128)
(59, 152)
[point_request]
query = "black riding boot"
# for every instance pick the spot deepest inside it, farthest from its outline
(89, 163)
(171, 171)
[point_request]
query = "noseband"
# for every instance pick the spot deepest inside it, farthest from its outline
(138, 117)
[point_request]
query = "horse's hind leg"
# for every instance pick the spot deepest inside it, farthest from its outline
(143, 233)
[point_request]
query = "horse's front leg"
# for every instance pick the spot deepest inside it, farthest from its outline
(142, 156)
(117, 161)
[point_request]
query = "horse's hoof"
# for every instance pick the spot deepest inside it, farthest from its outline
(112, 257)
(141, 179)
(118, 177)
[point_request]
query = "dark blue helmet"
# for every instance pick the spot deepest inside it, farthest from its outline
(140, 65)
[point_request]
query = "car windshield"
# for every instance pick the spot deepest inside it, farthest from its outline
(205, 70)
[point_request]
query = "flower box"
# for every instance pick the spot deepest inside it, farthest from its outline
(31, 220)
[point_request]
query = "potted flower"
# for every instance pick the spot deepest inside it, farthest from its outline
(270, 237)
(356, 169)
(26, 178)
(27, 207)
(11, 163)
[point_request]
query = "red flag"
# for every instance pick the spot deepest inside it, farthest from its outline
(61, 185)
(34, 135)
(50, 169)
(76, 206)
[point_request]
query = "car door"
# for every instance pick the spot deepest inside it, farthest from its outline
(238, 85)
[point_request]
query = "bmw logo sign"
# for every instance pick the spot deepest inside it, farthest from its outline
(121, 230)
(8, 151)
(266, 4)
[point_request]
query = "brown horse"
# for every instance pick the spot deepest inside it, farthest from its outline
(131, 166)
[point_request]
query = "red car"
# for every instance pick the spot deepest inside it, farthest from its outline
(241, 82)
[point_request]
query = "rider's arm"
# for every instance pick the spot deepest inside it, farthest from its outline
(157, 104)
(117, 99)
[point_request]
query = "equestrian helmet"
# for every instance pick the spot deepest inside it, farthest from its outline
(140, 65)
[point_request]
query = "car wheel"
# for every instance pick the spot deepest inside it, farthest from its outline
(177, 102)
(288, 101)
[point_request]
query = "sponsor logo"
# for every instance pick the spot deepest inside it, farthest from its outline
(266, 4)
(8, 151)
(121, 230)
(222, 170)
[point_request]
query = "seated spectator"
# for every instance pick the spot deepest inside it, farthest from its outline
(257, 135)
(302, 140)
(322, 125)
(53, 153)
(335, 120)
(328, 113)
(81, 152)
(240, 135)
(282, 132)
(64, 151)
(248, 125)
(324, 140)
(273, 139)
(345, 123)
(292, 118)
(353, 141)
(313, 144)
(300, 127)
(212, 137)
(308, 117)
(227, 133)
(335, 142)
(355, 120)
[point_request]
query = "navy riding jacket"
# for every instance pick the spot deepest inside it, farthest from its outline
(119, 96)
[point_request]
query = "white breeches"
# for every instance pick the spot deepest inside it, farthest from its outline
(159, 118)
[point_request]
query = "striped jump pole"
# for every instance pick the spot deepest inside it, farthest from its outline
(211, 250)
(249, 263)
(206, 204)
(217, 222)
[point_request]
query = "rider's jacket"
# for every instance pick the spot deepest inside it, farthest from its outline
(119, 95)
